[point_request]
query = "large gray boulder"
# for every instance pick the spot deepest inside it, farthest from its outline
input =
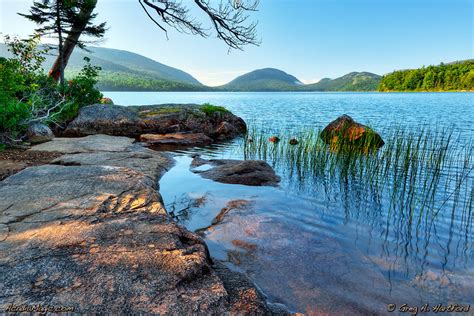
(246, 172)
(133, 121)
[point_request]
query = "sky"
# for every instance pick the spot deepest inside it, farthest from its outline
(310, 39)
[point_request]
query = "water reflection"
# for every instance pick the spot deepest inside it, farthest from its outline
(329, 249)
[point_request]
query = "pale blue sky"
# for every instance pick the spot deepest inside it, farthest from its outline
(310, 39)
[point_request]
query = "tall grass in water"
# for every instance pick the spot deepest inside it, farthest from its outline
(418, 172)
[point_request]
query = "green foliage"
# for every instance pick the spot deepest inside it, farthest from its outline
(27, 53)
(119, 81)
(12, 110)
(444, 77)
(210, 109)
(80, 91)
(27, 95)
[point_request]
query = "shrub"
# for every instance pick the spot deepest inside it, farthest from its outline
(210, 109)
(28, 95)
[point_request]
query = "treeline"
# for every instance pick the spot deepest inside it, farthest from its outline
(120, 81)
(445, 77)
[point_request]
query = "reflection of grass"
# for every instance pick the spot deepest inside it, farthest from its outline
(414, 171)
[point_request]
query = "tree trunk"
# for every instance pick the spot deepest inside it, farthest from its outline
(72, 39)
(60, 44)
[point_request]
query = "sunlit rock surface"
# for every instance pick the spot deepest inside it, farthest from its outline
(345, 133)
(177, 139)
(92, 235)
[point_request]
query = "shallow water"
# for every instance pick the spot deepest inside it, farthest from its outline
(326, 253)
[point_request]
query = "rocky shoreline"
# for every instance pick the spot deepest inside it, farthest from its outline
(133, 121)
(89, 231)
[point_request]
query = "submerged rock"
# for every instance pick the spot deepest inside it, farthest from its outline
(293, 141)
(134, 121)
(39, 133)
(177, 139)
(244, 244)
(231, 205)
(246, 172)
(345, 133)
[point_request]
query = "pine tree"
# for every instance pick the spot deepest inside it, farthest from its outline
(66, 21)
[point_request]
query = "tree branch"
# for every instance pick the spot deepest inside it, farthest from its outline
(229, 19)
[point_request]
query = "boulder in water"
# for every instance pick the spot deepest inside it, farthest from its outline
(345, 133)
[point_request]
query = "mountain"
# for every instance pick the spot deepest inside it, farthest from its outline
(270, 79)
(127, 71)
(354, 81)
(122, 69)
(266, 79)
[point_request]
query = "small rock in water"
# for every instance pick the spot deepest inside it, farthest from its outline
(274, 139)
(293, 141)
(246, 172)
(39, 133)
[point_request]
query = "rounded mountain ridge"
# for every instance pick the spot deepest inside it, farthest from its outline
(266, 74)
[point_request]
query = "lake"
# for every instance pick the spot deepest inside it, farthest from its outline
(322, 243)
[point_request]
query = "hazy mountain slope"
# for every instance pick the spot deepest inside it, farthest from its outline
(116, 62)
(354, 81)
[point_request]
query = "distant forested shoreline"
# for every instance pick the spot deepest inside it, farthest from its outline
(457, 76)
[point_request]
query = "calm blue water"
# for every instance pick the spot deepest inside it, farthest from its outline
(331, 251)
(290, 109)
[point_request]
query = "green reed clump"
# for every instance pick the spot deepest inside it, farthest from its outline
(415, 171)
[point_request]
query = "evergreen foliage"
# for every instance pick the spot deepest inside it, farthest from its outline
(444, 77)
(66, 21)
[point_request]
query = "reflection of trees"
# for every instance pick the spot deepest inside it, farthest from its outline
(183, 207)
